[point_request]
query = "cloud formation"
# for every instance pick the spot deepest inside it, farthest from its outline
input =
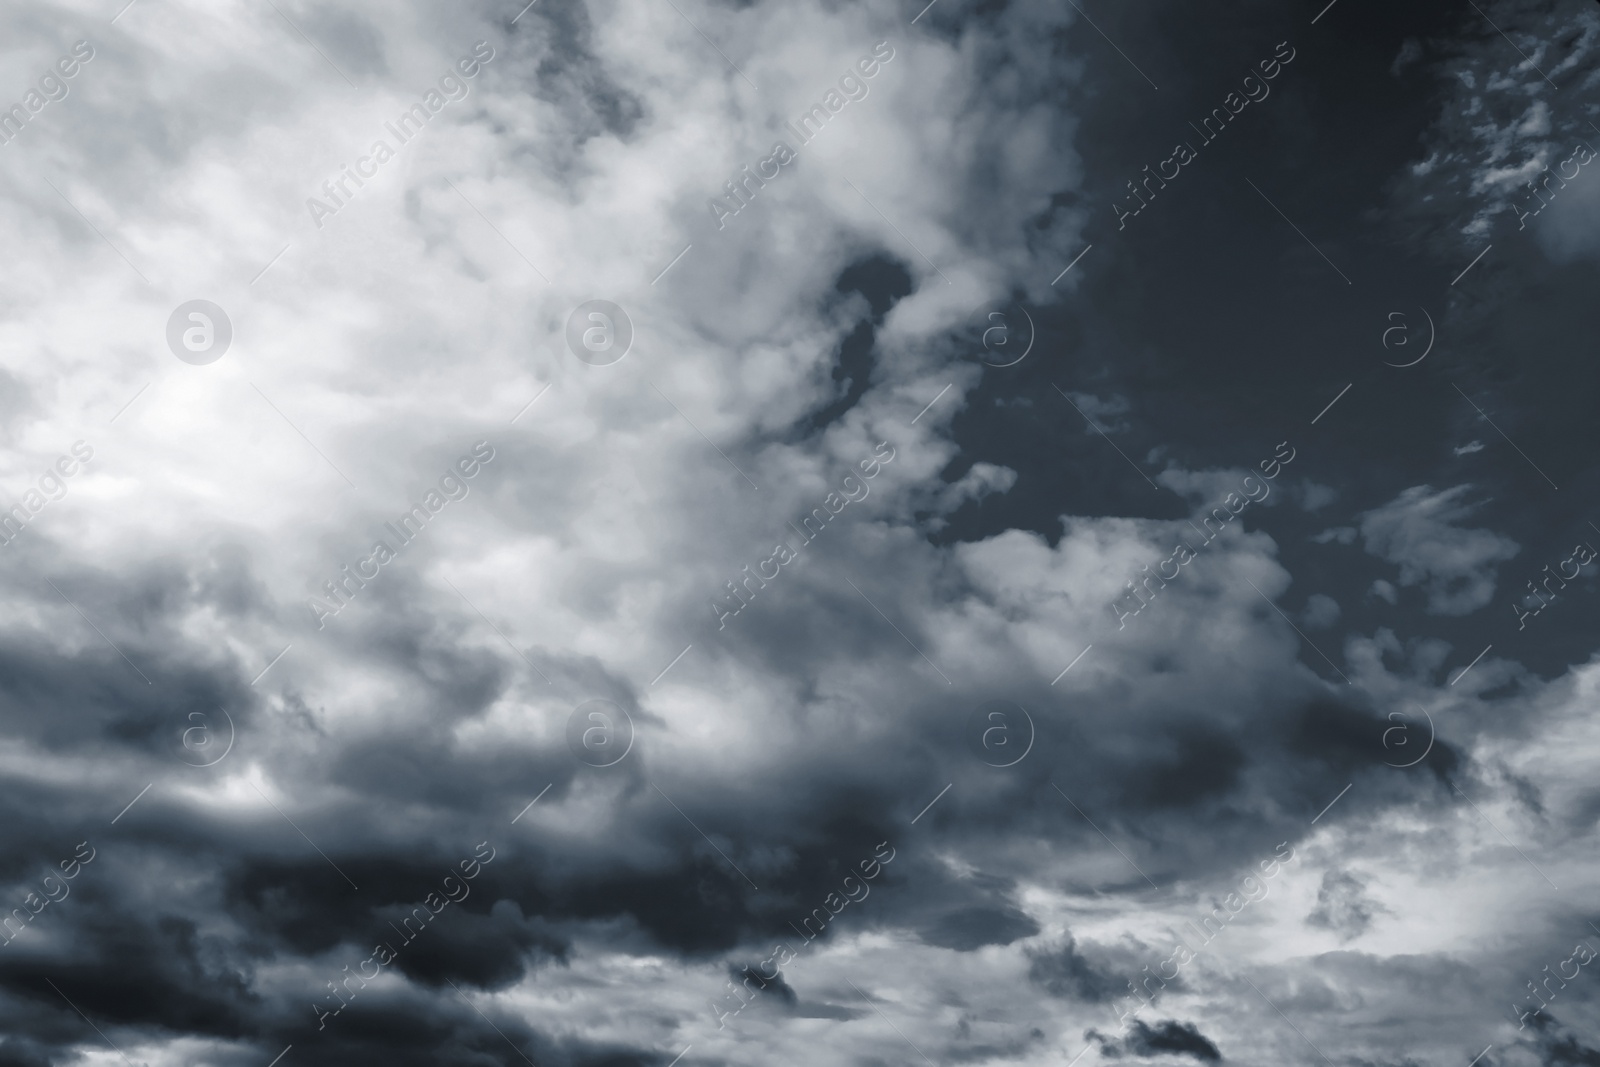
(1420, 530)
(282, 802)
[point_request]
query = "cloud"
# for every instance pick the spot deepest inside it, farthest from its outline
(1419, 530)
(372, 351)
(1062, 971)
(1410, 52)
(1171, 1038)
(1321, 611)
(1105, 414)
(231, 903)
(1501, 128)
(1209, 488)
(1314, 497)
(969, 929)
(1342, 905)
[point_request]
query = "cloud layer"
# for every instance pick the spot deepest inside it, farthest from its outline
(571, 620)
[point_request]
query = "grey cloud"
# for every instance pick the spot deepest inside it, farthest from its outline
(1420, 530)
(1343, 906)
(1171, 1038)
(770, 758)
(969, 929)
(1063, 971)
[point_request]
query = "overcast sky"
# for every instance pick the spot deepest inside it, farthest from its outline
(733, 533)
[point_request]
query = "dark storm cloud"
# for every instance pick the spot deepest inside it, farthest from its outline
(143, 963)
(1203, 764)
(528, 905)
(1063, 971)
(1557, 1046)
(1171, 1038)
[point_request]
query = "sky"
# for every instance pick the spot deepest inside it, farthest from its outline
(836, 533)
